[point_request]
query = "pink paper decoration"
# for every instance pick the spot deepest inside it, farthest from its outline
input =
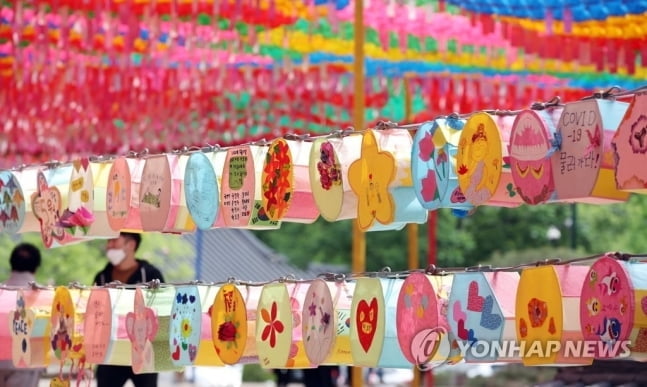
(302, 207)
(28, 181)
(630, 147)
(160, 193)
(133, 222)
(342, 294)
(118, 194)
(506, 194)
(318, 322)
(7, 303)
(297, 292)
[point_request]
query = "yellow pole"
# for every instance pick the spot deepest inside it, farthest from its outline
(359, 238)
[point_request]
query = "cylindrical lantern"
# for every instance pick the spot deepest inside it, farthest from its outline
(183, 220)
(613, 309)
(277, 180)
(207, 355)
(186, 324)
(330, 159)
(301, 208)
(630, 147)
(297, 292)
(392, 356)
(481, 316)
(67, 333)
(12, 209)
(105, 336)
(342, 296)
(318, 329)
(547, 315)
(201, 190)
(159, 194)
(479, 164)
(28, 181)
(30, 327)
(7, 303)
(148, 327)
(367, 322)
(433, 164)
(423, 331)
(274, 326)
(122, 194)
(77, 218)
(530, 144)
(100, 228)
(584, 166)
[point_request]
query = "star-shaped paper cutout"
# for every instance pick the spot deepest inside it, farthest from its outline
(370, 177)
(46, 205)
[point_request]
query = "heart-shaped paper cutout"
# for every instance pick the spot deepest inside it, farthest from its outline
(462, 332)
(490, 320)
(474, 301)
(176, 353)
(459, 314)
(366, 320)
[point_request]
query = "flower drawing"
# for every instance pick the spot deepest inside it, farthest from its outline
(273, 327)
(227, 331)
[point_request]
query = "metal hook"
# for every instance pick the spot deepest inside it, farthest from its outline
(555, 101)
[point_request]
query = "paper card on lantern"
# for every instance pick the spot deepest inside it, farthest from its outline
(530, 164)
(159, 195)
(119, 196)
(29, 324)
(318, 325)
(611, 309)
(367, 322)
(277, 180)
(274, 326)
(207, 355)
(584, 167)
(183, 220)
(342, 296)
(298, 358)
(481, 315)
(12, 207)
(630, 147)
(229, 324)
(106, 339)
(506, 194)
(100, 228)
(201, 190)
(301, 208)
(548, 320)
(66, 335)
(423, 330)
(370, 178)
(186, 324)
(392, 356)
(133, 222)
(78, 216)
(7, 303)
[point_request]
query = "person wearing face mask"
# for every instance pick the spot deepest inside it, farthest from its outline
(125, 268)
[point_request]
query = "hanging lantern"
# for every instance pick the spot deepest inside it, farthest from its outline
(433, 164)
(481, 315)
(630, 147)
(613, 309)
(122, 194)
(278, 180)
(298, 292)
(201, 190)
(183, 220)
(392, 356)
(148, 327)
(480, 164)
(12, 209)
(106, 338)
(367, 322)
(302, 208)
(549, 319)
(274, 326)
(207, 355)
(185, 327)
(584, 166)
(318, 322)
(100, 228)
(66, 336)
(77, 217)
(342, 295)
(7, 303)
(30, 327)
(28, 181)
(330, 159)
(530, 147)
(423, 330)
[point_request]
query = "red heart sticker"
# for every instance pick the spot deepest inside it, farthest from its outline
(366, 320)
(474, 301)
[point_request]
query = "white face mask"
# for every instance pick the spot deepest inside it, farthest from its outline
(115, 256)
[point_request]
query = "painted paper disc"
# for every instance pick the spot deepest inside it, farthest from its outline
(274, 326)
(12, 206)
(118, 194)
(229, 324)
(186, 324)
(142, 327)
(155, 193)
(62, 324)
(367, 322)
(318, 322)
(98, 326)
(277, 180)
(630, 147)
(201, 191)
(238, 185)
(326, 180)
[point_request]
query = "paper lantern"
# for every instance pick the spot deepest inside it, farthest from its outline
(77, 218)
(297, 292)
(302, 207)
(12, 208)
(613, 309)
(7, 303)
(318, 322)
(121, 199)
(530, 164)
(201, 190)
(241, 194)
(100, 228)
(29, 323)
(549, 319)
(160, 194)
(183, 220)
(28, 181)
(584, 166)
(66, 320)
(630, 147)
(106, 338)
(148, 327)
(481, 315)
(342, 295)
(207, 355)
(480, 164)
(367, 322)
(423, 330)
(186, 324)
(274, 326)
(392, 356)
(433, 164)
(330, 159)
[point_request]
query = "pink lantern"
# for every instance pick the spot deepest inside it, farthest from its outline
(7, 303)
(30, 327)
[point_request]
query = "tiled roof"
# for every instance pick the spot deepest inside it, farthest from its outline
(237, 253)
